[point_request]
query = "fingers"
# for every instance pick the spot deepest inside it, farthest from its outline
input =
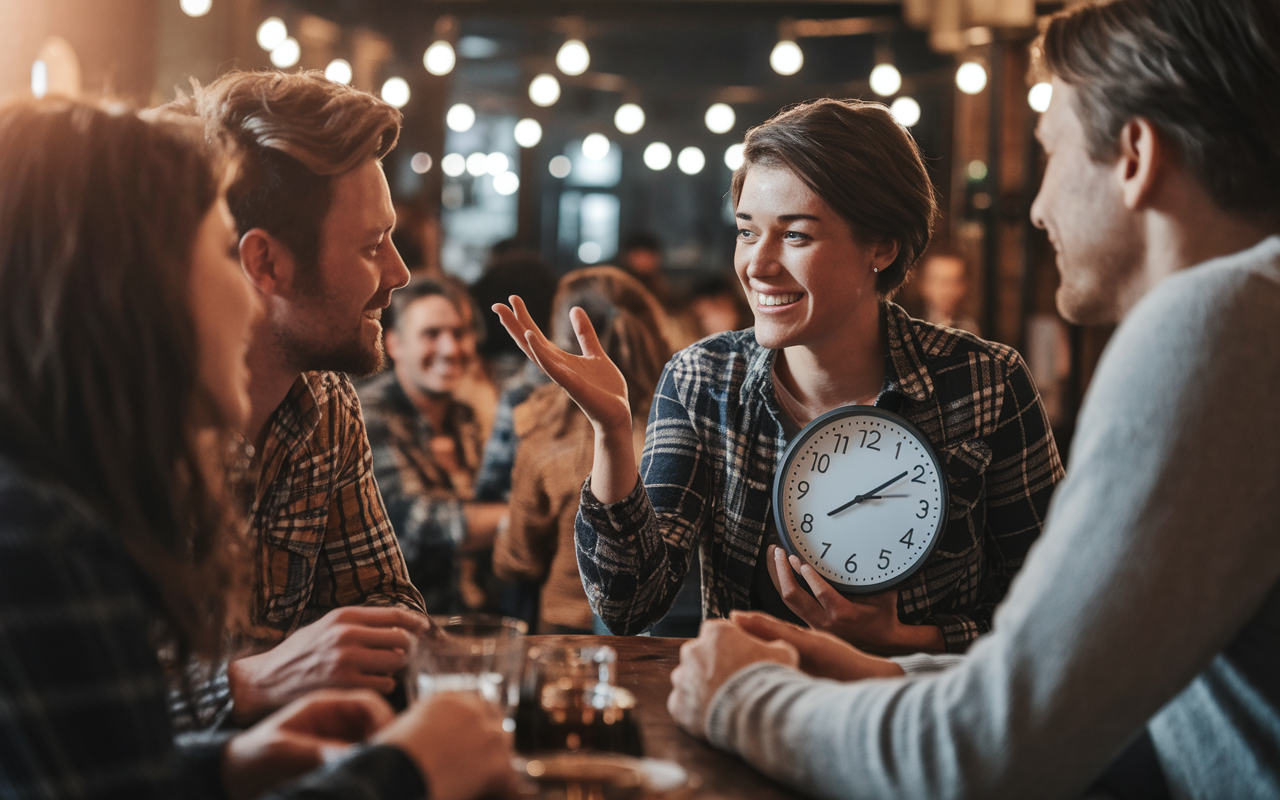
(360, 636)
(586, 333)
(513, 327)
(379, 617)
(824, 592)
(350, 715)
(376, 662)
(804, 606)
(766, 626)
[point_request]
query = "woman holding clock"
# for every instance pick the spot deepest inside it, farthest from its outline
(834, 207)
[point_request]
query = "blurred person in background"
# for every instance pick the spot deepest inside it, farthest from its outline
(122, 380)
(556, 441)
(716, 305)
(641, 255)
(944, 288)
(834, 205)
(1150, 608)
(426, 444)
(330, 598)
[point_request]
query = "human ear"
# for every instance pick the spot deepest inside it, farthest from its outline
(267, 262)
(1142, 158)
(883, 254)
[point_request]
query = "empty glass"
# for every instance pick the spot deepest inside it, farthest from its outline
(481, 653)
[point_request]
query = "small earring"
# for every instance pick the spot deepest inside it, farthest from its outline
(875, 269)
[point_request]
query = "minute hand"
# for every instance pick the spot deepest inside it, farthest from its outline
(862, 497)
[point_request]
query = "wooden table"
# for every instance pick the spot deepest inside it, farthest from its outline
(644, 667)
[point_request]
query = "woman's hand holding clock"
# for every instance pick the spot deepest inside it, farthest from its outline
(594, 383)
(870, 622)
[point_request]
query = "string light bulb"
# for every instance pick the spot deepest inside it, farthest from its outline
(573, 58)
(271, 33)
(439, 58)
(886, 80)
(544, 90)
(787, 58)
(971, 77)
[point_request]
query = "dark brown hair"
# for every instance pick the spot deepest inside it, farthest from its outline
(1205, 74)
(99, 391)
(296, 132)
(446, 286)
(862, 163)
(628, 321)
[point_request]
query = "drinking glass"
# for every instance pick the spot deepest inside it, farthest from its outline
(481, 653)
(570, 701)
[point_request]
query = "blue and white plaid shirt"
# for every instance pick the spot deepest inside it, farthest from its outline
(713, 445)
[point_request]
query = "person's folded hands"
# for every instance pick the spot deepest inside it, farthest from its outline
(822, 655)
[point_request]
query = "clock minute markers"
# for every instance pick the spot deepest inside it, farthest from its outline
(868, 495)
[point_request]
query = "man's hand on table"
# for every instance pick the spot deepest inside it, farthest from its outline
(720, 650)
(356, 647)
(455, 740)
(822, 655)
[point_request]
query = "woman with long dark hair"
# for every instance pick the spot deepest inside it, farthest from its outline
(122, 373)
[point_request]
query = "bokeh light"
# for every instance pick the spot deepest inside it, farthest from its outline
(886, 80)
(439, 58)
(396, 92)
(691, 161)
(544, 90)
(573, 57)
(460, 117)
(657, 156)
(786, 58)
(528, 132)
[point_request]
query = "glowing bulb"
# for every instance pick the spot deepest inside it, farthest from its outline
(786, 58)
(560, 167)
(196, 8)
(573, 58)
(460, 117)
(657, 156)
(286, 53)
(420, 163)
(886, 80)
(453, 165)
(906, 111)
(720, 118)
(589, 252)
(496, 163)
(629, 118)
(691, 161)
(439, 58)
(396, 92)
(1039, 96)
(544, 90)
(528, 133)
(477, 164)
(596, 146)
(971, 77)
(733, 157)
(39, 79)
(271, 33)
(338, 71)
(506, 183)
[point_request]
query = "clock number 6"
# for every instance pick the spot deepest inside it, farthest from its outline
(851, 565)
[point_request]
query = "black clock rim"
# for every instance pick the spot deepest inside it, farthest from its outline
(788, 455)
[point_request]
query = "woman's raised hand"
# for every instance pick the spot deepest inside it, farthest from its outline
(591, 379)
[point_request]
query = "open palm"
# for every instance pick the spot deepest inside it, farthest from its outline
(591, 379)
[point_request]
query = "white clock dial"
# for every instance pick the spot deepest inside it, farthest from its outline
(861, 497)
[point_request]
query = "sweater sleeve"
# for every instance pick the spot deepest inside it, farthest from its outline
(1159, 550)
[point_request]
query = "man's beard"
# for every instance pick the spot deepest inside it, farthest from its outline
(351, 356)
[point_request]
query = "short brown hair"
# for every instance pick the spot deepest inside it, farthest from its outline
(297, 131)
(862, 163)
(1205, 74)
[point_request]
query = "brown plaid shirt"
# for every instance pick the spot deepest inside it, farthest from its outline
(320, 531)
(713, 443)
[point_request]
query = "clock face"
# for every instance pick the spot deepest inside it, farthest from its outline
(861, 497)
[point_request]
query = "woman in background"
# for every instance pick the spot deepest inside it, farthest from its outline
(122, 342)
(555, 441)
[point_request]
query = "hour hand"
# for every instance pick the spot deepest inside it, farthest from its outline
(868, 495)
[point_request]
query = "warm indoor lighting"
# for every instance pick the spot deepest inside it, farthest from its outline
(720, 118)
(477, 164)
(439, 58)
(906, 111)
(271, 33)
(560, 166)
(786, 58)
(338, 71)
(596, 146)
(544, 90)
(453, 165)
(1039, 96)
(629, 118)
(496, 163)
(460, 117)
(196, 8)
(506, 183)
(733, 157)
(971, 77)
(39, 79)
(886, 80)
(657, 156)
(573, 58)
(396, 92)
(589, 252)
(287, 53)
(420, 163)
(528, 132)
(691, 161)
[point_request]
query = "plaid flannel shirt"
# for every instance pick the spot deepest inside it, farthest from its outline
(319, 531)
(426, 509)
(82, 694)
(713, 445)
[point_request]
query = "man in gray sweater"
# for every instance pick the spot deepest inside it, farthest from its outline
(1153, 596)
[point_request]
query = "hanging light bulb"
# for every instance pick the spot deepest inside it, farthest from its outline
(460, 117)
(573, 58)
(454, 165)
(196, 8)
(544, 90)
(396, 92)
(1040, 96)
(596, 146)
(506, 183)
(528, 133)
(906, 111)
(886, 80)
(786, 58)
(560, 166)
(691, 161)
(720, 118)
(971, 77)
(657, 156)
(338, 71)
(439, 58)
(287, 53)
(271, 33)
(733, 157)
(629, 118)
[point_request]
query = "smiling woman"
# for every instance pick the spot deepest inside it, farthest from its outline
(834, 207)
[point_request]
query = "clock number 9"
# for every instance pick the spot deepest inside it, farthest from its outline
(803, 488)
(806, 524)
